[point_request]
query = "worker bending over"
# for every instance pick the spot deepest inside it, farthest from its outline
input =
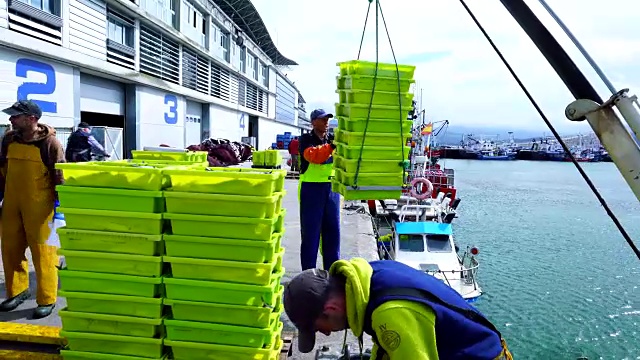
(409, 313)
(319, 205)
(28, 155)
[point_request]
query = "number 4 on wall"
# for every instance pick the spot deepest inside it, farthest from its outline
(23, 67)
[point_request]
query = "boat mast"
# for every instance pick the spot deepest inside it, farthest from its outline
(608, 127)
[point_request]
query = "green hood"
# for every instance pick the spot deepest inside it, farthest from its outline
(357, 272)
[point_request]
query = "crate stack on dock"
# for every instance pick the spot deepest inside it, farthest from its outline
(225, 256)
(267, 159)
(113, 247)
(372, 137)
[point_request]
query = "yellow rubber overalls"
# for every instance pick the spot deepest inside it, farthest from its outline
(26, 215)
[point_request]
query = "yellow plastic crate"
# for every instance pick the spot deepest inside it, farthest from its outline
(368, 68)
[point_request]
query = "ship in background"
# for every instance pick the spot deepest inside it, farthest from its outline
(585, 148)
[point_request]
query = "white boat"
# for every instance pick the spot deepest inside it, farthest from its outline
(417, 239)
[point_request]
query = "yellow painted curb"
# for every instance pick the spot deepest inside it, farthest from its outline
(23, 355)
(27, 333)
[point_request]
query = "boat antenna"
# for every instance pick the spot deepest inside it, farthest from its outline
(584, 175)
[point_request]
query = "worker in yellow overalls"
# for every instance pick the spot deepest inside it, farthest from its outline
(28, 155)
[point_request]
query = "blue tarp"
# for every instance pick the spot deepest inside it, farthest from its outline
(430, 227)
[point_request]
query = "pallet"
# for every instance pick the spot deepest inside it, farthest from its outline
(292, 175)
(287, 349)
(266, 167)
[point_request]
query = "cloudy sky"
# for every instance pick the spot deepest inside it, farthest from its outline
(461, 77)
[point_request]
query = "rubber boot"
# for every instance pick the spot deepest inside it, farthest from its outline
(12, 303)
(42, 311)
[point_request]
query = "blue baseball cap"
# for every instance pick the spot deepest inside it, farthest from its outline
(320, 114)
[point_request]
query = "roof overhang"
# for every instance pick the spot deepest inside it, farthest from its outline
(245, 16)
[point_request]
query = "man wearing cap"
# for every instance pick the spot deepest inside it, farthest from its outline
(319, 205)
(408, 313)
(28, 155)
(81, 143)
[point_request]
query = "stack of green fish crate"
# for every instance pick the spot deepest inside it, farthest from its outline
(225, 256)
(267, 159)
(382, 150)
(113, 247)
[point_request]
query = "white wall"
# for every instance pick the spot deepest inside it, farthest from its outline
(161, 118)
(49, 83)
(227, 124)
(269, 129)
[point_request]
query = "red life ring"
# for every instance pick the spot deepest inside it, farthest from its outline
(426, 194)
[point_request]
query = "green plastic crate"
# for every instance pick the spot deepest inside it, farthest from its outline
(365, 82)
(230, 181)
(101, 283)
(80, 197)
(368, 179)
(250, 316)
(368, 68)
(396, 140)
(220, 270)
(388, 126)
(123, 264)
(114, 221)
(225, 227)
(258, 158)
(111, 242)
(368, 166)
(192, 331)
(109, 175)
(263, 207)
(143, 307)
(225, 292)
(110, 324)
(272, 158)
(82, 355)
(114, 344)
(361, 111)
(350, 194)
(183, 350)
(387, 98)
(170, 156)
(354, 152)
(223, 249)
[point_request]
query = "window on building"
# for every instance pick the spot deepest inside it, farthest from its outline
(164, 10)
(120, 30)
(224, 44)
(252, 66)
(264, 74)
(242, 58)
(48, 6)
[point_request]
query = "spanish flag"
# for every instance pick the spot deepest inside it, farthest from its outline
(427, 129)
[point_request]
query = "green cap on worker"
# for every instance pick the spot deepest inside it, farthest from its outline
(24, 107)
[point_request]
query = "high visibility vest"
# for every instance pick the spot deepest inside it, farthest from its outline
(319, 173)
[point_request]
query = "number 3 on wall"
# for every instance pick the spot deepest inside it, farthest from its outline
(23, 67)
(171, 116)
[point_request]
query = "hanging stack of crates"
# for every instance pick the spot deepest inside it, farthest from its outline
(225, 256)
(382, 151)
(113, 247)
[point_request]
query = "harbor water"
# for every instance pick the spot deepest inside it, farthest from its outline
(559, 279)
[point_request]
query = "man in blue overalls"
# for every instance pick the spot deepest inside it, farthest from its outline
(319, 205)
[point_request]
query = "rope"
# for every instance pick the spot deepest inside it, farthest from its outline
(584, 175)
(379, 15)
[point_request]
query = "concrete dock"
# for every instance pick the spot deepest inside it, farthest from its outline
(357, 241)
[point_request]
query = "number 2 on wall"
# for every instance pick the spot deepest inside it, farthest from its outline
(23, 67)
(171, 116)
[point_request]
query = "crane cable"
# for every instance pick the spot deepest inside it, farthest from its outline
(584, 175)
(379, 15)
